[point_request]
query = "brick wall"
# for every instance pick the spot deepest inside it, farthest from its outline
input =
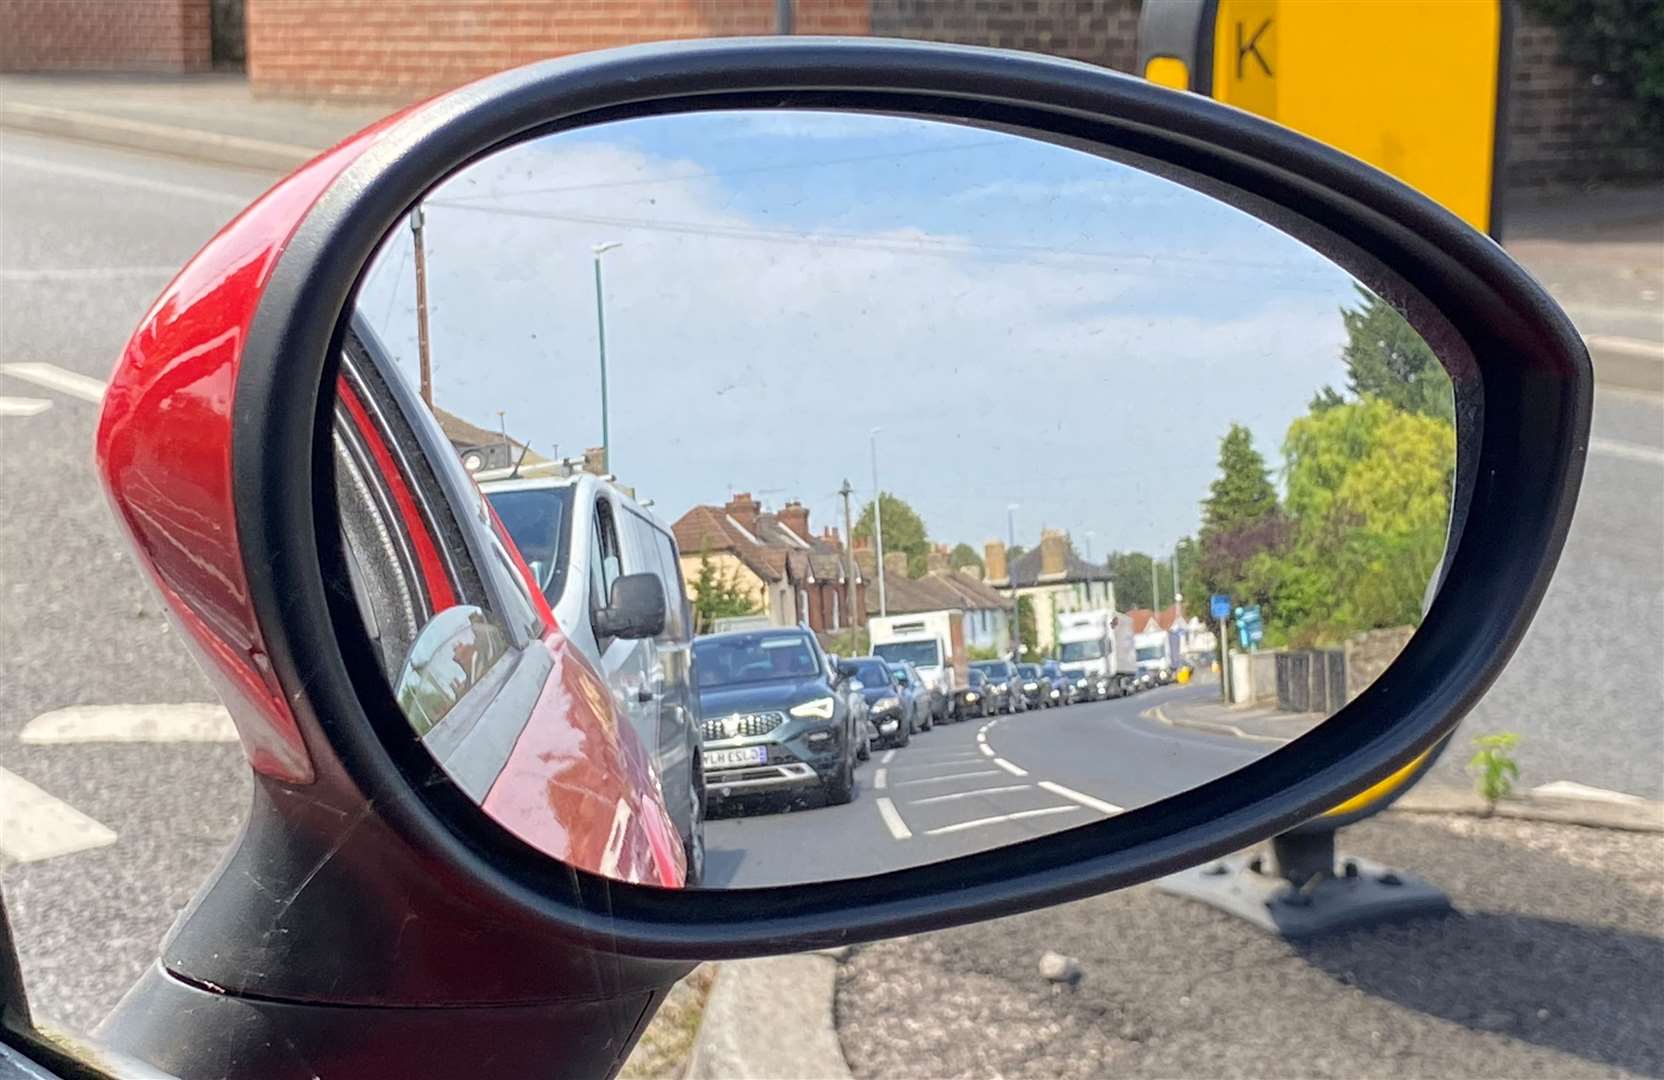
(402, 51)
(1566, 126)
(105, 35)
(1098, 31)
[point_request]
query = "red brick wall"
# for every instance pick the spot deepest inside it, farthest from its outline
(1097, 31)
(104, 35)
(376, 49)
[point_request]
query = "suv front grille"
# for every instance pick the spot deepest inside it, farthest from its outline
(742, 725)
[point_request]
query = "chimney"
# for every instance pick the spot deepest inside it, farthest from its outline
(744, 509)
(830, 535)
(993, 559)
(895, 564)
(795, 516)
(592, 461)
(862, 543)
(1053, 545)
(937, 561)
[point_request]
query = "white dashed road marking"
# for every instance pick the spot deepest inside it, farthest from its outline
(1630, 451)
(1105, 808)
(879, 778)
(968, 794)
(23, 406)
(950, 776)
(1010, 768)
(131, 723)
(34, 825)
(889, 756)
(1018, 816)
(898, 828)
(56, 378)
(987, 751)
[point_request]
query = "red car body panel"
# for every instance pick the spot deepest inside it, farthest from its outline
(577, 786)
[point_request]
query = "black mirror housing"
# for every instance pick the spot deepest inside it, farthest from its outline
(636, 608)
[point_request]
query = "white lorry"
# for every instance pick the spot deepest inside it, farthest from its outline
(1098, 643)
(1156, 662)
(933, 642)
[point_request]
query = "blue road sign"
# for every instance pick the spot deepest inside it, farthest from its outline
(1219, 605)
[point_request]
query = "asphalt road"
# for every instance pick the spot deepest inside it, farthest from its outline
(89, 237)
(970, 786)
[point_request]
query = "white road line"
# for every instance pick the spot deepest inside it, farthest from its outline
(1629, 451)
(879, 778)
(889, 756)
(1652, 350)
(131, 723)
(950, 776)
(23, 406)
(19, 275)
(981, 738)
(1571, 789)
(34, 825)
(1018, 816)
(1108, 809)
(987, 751)
(898, 828)
(109, 176)
(968, 794)
(56, 378)
(1010, 768)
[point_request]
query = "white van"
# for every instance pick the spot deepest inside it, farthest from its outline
(581, 536)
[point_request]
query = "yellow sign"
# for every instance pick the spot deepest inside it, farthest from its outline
(1410, 87)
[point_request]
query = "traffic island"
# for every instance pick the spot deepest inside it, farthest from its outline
(1295, 888)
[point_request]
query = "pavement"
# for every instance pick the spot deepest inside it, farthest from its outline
(1550, 967)
(127, 829)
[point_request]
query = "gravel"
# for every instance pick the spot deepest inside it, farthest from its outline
(1554, 967)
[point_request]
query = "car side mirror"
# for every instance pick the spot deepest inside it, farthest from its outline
(636, 608)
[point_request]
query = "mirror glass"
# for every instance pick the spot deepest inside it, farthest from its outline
(1161, 487)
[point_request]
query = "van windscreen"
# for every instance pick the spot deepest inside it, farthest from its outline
(917, 653)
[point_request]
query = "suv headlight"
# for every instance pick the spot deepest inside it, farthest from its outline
(819, 709)
(887, 703)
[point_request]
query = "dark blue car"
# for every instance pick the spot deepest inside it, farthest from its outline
(774, 720)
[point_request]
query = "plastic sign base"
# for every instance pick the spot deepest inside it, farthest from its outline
(1358, 893)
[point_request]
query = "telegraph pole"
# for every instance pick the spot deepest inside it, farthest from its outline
(849, 558)
(878, 522)
(416, 226)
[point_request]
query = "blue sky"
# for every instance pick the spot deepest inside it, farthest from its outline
(1025, 323)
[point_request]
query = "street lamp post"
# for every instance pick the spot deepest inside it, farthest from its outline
(878, 522)
(1011, 577)
(601, 339)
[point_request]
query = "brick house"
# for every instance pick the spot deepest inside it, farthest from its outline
(1053, 579)
(797, 577)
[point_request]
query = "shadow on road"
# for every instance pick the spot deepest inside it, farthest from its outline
(1559, 985)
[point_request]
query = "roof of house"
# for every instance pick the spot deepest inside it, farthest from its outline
(770, 549)
(1164, 619)
(1025, 571)
(975, 594)
(464, 434)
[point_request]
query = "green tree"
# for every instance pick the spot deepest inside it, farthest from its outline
(1368, 505)
(963, 556)
(1241, 522)
(903, 531)
(1242, 493)
(1028, 629)
(718, 594)
(1387, 359)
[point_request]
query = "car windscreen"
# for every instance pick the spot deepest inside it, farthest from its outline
(1151, 652)
(536, 519)
(917, 653)
(745, 658)
(872, 673)
(994, 669)
(1080, 650)
(1028, 671)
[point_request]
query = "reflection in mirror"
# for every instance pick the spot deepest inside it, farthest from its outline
(1151, 471)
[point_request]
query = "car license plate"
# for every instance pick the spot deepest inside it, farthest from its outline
(740, 756)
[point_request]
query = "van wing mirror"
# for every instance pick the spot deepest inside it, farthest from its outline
(635, 610)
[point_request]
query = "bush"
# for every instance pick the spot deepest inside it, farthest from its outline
(1493, 767)
(1622, 41)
